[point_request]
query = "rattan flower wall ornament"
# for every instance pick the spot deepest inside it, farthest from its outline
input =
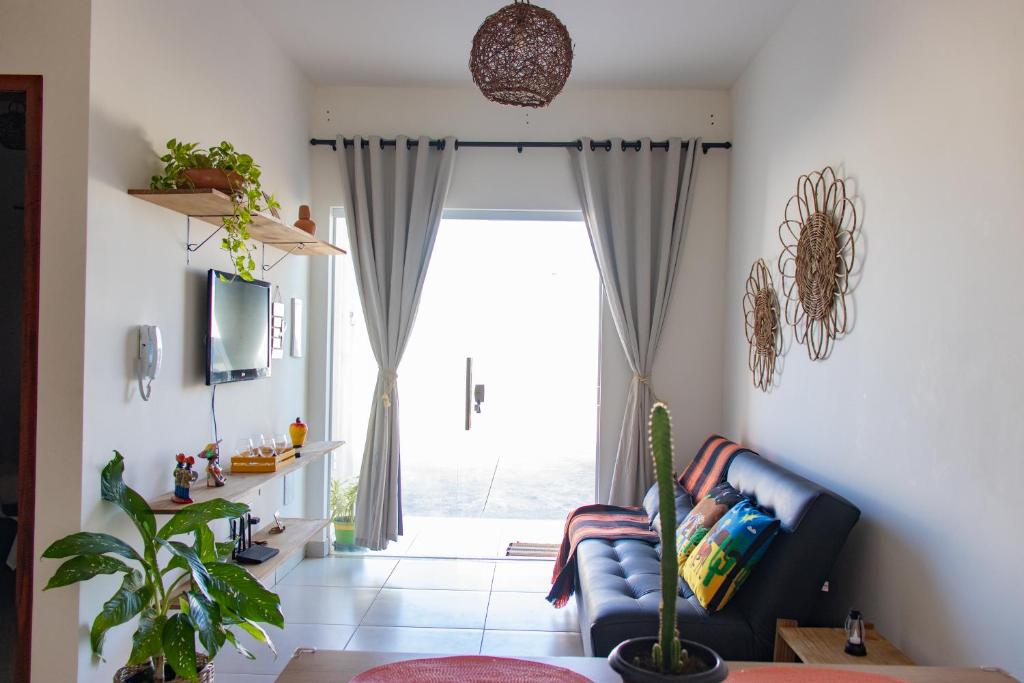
(817, 236)
(762, 325)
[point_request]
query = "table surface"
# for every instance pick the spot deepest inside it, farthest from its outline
(825, 646)
(330, 666)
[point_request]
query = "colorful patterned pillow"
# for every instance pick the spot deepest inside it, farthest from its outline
(728, 553)
(704, 515)
(709, 468)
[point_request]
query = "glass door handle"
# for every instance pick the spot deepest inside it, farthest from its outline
(469, 394)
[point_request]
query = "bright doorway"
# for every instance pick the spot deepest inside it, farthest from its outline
(518, 295)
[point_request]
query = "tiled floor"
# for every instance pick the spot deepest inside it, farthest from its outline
(469, 537)
(412, 605)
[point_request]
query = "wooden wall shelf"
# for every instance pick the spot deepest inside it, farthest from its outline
(297, 532)
(210, 206)
(239, 486)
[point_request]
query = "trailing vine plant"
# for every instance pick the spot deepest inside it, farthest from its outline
(247, 196)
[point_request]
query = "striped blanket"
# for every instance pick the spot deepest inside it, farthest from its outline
(594, 521)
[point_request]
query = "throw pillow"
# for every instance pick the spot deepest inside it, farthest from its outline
(709, 468)
(728, 553)
(704, 515)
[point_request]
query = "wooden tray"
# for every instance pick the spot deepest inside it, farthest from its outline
(260, 463)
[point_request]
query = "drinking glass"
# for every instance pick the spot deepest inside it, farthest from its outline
(244, 446)
(281, 443)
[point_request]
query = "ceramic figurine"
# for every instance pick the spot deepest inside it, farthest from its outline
(297, 430)
(304, 222)
(183, 478)
(214, 473)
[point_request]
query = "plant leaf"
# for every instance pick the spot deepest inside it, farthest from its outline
(83, 568)
(129, 600)
(88, 543)
(147, 640)
(257, 632)
(179, 641)
(235, 588)
(199, 515)
(206, 619)
(114, 490)
(242, 650)
(199, 575)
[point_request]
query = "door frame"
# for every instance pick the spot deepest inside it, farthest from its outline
(32, 86)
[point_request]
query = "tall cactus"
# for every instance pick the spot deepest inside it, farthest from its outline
(668, 655)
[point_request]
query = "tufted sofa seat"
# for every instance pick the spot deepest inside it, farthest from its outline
(618, 586)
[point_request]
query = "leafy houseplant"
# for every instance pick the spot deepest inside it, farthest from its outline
(649, 660)
(188, 166)
(343, 506)
(195, 592)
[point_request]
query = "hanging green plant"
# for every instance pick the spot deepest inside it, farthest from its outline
(186, 165)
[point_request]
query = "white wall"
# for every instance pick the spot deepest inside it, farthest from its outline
(915, 417)
(51, 38)
(162, 70)
(689, 369)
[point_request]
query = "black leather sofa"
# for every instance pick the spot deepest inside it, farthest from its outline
(618, 582)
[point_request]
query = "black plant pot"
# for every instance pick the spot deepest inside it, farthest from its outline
(621, 659)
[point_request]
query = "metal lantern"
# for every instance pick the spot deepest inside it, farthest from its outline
(522, 55)
(855, 634)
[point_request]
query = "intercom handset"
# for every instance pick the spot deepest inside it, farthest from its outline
(151, 355)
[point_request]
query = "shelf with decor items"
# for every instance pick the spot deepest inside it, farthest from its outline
(239, 486)
(211, 206)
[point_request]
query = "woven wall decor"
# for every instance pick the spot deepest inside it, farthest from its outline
(521, 55)
(817, 236)
(763, 327)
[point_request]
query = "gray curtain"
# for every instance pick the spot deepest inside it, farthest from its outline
(635, 204)
(393, 199)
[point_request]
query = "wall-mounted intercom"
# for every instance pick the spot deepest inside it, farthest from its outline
(151, 354)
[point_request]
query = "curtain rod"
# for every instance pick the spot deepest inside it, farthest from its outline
(519, 146)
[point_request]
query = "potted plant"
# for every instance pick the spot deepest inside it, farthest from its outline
(220, 168)
(665, 657)
(194, 592)
(343, 506)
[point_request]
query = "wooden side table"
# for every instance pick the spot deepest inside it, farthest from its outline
(825, 646)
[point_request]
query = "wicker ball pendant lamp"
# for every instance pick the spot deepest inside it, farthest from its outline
(522, 55)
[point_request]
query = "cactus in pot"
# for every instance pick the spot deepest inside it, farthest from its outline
(667, 653)
(665, 657)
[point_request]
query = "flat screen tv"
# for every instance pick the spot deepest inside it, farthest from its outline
(238, 329)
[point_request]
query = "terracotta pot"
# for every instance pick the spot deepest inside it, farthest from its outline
(212, 179)
(622, 657)
(304, 222)
(132, 674)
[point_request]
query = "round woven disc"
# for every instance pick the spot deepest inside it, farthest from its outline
(468, 670)
(805, 674)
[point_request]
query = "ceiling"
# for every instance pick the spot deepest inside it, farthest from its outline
(618, 43)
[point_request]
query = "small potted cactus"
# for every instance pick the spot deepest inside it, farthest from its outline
(665, 658)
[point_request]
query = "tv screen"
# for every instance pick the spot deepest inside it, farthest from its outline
(238, 329)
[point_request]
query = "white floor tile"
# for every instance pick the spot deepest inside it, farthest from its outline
(403, 639)
(465, 575)
(324, 604)
(531, 644)
(244, 678)
(529, 612)
(428, 608)
(526, 576)
(320, 636)
(361, 572)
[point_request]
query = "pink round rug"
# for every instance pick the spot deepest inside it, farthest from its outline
(805, 674)
(468, 670)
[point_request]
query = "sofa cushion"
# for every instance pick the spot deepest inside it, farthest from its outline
(619, 594)
(652, 503)
(727, 555)
(704, 515)
(709, 468)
